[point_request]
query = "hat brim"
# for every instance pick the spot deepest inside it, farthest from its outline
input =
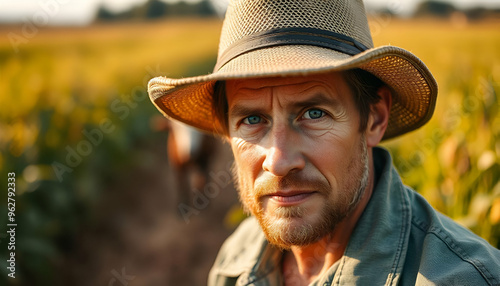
(189, 100)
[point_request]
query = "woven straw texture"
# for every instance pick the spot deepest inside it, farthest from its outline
(251, 17)
(190, 99)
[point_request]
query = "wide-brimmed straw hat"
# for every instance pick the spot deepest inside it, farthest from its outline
(267, 38)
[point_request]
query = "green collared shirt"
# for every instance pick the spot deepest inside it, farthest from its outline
(399, 240)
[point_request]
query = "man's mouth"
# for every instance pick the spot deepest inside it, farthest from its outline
(290, 198)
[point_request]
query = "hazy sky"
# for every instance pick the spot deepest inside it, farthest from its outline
(81, 12)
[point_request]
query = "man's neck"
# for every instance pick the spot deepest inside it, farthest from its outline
(303, 264)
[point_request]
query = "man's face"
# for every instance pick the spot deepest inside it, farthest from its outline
(301, 161)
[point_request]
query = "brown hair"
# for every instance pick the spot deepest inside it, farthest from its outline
(363, 85)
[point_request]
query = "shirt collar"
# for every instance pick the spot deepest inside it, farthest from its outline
(382, 232)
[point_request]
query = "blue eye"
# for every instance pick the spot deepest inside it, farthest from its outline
(314, 114)
(254, 119)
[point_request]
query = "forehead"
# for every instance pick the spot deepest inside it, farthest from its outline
(330, 84)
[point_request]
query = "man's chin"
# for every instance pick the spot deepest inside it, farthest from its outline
(286, 239)
(284, 213)
(287, 231)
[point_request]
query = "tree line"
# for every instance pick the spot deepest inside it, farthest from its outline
(445, 9)
(155, 9)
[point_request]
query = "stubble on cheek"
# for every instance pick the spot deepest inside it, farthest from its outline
(243, 187)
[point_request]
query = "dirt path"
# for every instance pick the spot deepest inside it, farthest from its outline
(139, 236)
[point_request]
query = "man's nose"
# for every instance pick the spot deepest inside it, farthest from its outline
(283, 153)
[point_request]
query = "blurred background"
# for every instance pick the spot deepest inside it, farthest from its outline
(106, 193)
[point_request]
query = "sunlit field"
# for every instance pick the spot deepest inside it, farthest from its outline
(75, 119)
(454, 161)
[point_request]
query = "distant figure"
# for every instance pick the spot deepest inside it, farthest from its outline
(189, 153)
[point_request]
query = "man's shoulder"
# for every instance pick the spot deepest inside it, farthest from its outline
(446, 249)
(246, 234)
(241, 249)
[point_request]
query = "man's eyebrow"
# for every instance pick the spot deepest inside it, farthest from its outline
(240, 110)
(317, 99)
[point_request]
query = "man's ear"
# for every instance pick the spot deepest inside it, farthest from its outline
(379, 117)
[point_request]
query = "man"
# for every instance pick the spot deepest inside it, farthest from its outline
(303, 98)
